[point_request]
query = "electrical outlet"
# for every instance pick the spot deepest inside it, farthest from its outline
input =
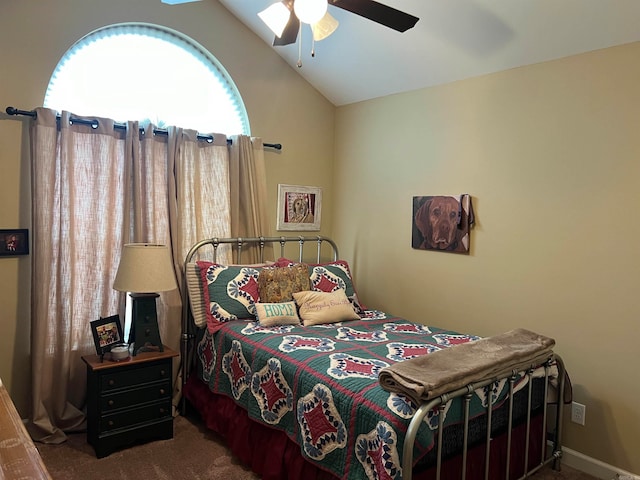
(578, 413)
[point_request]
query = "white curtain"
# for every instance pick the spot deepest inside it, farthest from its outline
(95, 188)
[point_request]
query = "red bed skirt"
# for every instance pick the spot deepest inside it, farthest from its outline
(273, 456)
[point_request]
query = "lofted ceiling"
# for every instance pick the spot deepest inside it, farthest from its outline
(453, 40)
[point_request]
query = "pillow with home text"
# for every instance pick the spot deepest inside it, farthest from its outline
(273, 314)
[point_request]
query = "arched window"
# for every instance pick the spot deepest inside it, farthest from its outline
(145, 72)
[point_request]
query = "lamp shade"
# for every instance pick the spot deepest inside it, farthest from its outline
(324, 27)
(145, 268)
(276, 17)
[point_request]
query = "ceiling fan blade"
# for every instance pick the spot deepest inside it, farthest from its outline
(289, 34)
(379, 13)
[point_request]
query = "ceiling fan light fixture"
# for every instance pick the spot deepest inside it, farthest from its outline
(324, 27)
(276, 16)
(310, 11)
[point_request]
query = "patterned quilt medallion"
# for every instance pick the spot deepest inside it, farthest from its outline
(319, 385)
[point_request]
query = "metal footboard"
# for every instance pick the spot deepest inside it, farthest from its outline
(552, 454)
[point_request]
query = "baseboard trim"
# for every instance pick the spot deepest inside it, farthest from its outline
(594, 467)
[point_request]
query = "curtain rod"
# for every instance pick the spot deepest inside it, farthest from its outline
(122, 126)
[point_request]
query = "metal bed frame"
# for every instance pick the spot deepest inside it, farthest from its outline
(551, 447)
(554, 454)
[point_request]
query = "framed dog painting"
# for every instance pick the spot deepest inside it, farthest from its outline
(442, 223)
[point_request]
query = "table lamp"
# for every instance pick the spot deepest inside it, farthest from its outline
(144, 270)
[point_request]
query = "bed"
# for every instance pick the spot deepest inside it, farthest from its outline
(294, 385)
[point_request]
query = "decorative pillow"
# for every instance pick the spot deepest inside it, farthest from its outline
(230, 292)
(196, 295)
(327, 277)
(278, 284)
(355, 303)
(324, 307)
(272, 314)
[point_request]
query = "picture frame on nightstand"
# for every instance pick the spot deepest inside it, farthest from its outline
(107, 332)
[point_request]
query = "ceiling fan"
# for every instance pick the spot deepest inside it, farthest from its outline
(284, 17)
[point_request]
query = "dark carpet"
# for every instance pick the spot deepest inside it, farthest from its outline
(193, 453)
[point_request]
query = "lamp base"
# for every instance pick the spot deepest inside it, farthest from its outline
(144, 332)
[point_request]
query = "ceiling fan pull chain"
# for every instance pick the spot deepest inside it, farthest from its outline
(313, 47)
(300, 46)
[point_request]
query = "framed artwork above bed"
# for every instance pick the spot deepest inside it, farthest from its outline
(299, 208)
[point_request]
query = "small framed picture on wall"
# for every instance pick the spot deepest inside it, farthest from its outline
(14, 242)
(299, 208)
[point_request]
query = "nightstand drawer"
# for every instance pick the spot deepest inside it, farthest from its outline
(135, 376)
(136, 396)
(135, 416)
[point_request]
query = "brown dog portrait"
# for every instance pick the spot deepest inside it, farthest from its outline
(440, 223)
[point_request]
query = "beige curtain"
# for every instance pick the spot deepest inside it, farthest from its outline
(79, 179)
(199, 191)
(96, 187)
(249, 215)
(199, 205)
(149, 206)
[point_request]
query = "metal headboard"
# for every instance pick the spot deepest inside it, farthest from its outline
(238, 245)
(261, 243)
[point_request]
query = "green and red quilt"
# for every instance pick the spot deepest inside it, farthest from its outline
(319, 385)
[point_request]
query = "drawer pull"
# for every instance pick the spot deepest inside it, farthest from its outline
(110, 422)
(162, 410)
(162, 391)
(162, 373)
(110, 403)
(112, 382)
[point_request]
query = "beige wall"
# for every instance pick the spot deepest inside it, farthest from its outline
(34, 35)
(551, 155)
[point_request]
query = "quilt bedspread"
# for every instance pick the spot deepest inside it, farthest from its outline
(319, 385)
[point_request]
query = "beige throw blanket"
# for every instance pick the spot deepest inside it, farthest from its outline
(428, 376)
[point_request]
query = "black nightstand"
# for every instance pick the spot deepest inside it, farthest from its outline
(129, 401)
